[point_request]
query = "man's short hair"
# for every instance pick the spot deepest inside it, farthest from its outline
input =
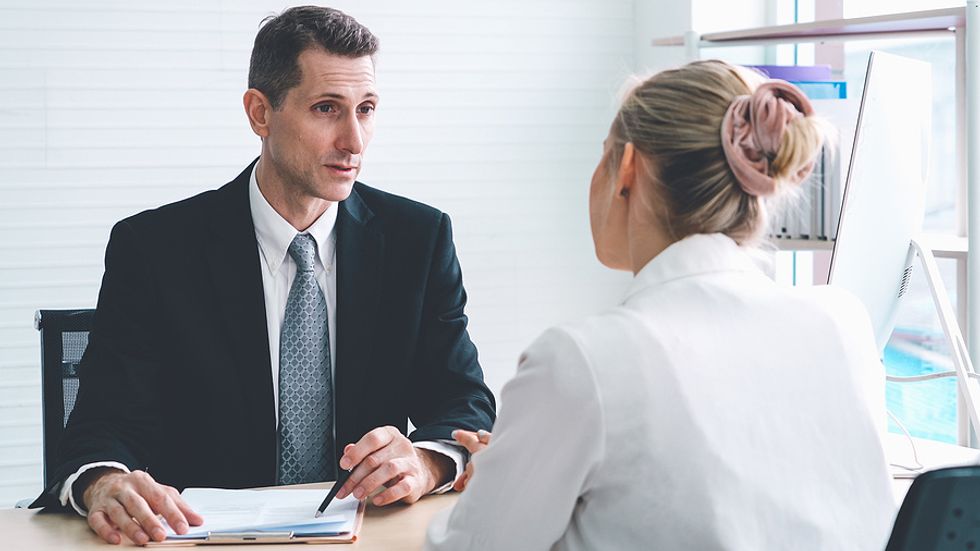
(274, 67)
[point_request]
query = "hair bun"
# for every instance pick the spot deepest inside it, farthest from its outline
(752, 133)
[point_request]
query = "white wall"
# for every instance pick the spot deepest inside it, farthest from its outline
(493, 112)
(663, 19)
(659, 19)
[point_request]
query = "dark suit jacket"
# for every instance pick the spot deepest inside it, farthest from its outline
(177, 379)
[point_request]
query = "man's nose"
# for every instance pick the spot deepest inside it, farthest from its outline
(351, 136)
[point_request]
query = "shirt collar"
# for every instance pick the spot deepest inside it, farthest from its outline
(698, 254)
(274, 233)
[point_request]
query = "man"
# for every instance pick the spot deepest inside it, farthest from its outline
(289, 322)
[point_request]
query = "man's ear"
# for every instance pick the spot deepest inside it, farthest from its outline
(626, 176)
(257, 108)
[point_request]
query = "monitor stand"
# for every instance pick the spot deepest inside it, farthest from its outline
(968, 381)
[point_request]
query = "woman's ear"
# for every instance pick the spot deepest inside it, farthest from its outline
(257, 108)
(626, 176)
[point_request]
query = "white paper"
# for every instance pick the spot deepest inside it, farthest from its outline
(267, 511)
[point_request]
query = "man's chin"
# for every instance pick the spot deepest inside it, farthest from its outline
(336, 191)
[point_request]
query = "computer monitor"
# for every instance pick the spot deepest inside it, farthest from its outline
(884, 194)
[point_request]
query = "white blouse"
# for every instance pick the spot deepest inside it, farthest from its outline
(712, 409)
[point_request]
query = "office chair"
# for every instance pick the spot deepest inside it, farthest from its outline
(64, 337)
(941, 512)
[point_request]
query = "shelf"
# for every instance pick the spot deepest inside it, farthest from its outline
(867, 27)
(943, 246)
(802, 244)
(946, 246)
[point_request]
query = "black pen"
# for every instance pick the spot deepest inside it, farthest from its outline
(342, 477)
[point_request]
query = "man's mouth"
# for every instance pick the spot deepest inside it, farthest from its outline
(345, 169)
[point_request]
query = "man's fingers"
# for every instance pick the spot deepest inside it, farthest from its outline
(161, 500)
(174, 515)
(100, 524)
(140, 508)
(132, 503)
(398, 491)
(368, 444)
(366, 466)
(389, 470)
(125, 523)
(192, 516)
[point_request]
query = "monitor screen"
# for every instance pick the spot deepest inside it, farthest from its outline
(884, 194)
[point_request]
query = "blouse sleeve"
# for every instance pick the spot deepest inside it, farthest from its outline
(546, 447)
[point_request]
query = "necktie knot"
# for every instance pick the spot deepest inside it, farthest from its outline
(303, 251)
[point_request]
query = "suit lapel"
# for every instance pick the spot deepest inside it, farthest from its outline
(360, 250)
(236, 272)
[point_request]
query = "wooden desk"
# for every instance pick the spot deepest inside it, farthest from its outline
(393, 528)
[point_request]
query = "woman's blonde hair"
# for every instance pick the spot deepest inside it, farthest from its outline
(674, 121)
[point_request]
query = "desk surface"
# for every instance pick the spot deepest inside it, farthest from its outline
(932, 455)
(392, 528)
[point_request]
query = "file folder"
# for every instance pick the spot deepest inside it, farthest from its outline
(267, 516)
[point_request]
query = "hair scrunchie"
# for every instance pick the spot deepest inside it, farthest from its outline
(752, 132)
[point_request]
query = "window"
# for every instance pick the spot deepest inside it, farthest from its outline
(918, 346)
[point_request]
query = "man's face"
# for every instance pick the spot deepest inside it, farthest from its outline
(318, 135)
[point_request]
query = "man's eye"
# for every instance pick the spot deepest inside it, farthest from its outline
(365, 109)
(324, 108)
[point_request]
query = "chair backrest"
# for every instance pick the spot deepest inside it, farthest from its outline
(940, 512)
(64, 337)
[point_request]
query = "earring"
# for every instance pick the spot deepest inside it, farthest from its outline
(624, 193)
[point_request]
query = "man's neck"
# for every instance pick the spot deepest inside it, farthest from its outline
(298, 208)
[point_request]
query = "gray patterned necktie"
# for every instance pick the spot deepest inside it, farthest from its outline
(306, 447)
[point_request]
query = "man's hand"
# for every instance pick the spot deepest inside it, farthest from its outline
(384, 457)
(120, 503)
(473, 442)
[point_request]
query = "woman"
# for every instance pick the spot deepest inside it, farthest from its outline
(712, 409)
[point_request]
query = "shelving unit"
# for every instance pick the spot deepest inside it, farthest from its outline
(943, 246)
(953, 22)
(803, 244)
(884, 26)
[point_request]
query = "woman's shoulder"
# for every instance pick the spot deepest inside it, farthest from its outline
(839, 316)
(585, 333)
(836, 303)
(587, 344)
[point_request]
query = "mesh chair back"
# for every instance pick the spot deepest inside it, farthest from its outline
(64, 337)
(941, 512)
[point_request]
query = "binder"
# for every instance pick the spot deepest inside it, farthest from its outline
(794, 73)
(836, 89)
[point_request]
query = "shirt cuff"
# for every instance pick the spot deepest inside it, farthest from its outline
(67, 496)
(451, 450)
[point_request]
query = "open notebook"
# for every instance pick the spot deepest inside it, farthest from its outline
(268, 516)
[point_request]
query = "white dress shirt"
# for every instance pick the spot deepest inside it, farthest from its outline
(274, 235)
(712, 409)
